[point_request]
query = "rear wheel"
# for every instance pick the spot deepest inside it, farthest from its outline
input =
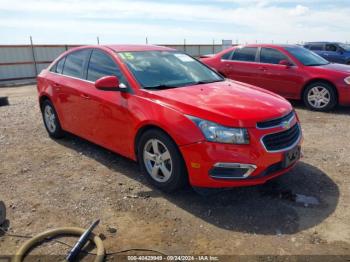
(320, 96)
(161, 161)
(51, 121)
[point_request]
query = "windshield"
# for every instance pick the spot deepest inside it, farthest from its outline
(164, 69)
(306, 57)
(346, 47)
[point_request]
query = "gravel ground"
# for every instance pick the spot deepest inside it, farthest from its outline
(49, 183)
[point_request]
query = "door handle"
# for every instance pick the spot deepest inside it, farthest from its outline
(262, 68)
(85, 96)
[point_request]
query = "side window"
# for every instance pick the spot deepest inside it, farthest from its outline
(271, 56)
(60, 64)
(75, 63)
(316, 47)
(245, 54)
(102, 65)
(227, 55)
(57, 68)
(331, 48)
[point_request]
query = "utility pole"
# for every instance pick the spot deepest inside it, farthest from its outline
(98, 40)
(146, 40)
(33, 54)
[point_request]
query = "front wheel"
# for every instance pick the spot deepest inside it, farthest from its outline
(161, 161)
(320, 96)
(51, 120)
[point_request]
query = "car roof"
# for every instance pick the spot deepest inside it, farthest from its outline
(132, 48)
(271, 45)
(307, 43)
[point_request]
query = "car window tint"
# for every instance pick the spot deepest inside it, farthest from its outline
(59, 66)
(316, 47)
(227, 55)
(331, 48)
(101, 65)
(271, 56)
(75, 63)
(245, 54)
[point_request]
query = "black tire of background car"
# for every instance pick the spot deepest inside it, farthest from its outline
(179, 176)
(333, 96)
(59, 132)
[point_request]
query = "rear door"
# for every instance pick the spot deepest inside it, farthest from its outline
(242, 65)
(73, 97)
(280, 79)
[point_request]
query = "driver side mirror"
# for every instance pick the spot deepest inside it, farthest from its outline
(109, 83)
(285, 63)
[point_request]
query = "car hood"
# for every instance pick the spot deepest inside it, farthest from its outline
(336, 67)
(228, 103)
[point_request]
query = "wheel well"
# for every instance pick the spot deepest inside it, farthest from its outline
(42, 99)
(319, 80)
(142, 130)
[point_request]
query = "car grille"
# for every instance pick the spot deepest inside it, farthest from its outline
(282, 140)
(275, 122)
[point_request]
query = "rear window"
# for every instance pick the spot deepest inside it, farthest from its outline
(245, 54)
(75, 63)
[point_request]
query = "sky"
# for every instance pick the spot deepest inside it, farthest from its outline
(170, 21)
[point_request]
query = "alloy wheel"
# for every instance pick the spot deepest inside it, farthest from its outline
(319, 97)
(50, 118)
(158, 161)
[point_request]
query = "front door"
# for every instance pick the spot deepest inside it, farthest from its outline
(111, 117)
(280, 79)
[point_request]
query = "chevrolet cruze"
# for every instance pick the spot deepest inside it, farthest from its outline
(181, 121)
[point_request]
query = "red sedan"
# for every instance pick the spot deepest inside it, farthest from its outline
(177, 117)
(288, 70)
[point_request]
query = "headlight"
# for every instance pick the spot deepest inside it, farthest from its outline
(347, 80)
(216, 133)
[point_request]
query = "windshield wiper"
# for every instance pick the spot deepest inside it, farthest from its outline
(160, 86)
(317, 64)
(207, 82)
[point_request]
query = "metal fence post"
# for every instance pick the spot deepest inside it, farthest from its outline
(33, 53)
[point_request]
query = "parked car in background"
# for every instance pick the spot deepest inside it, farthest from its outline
(291, 71)
(332, 51)
(174, 115)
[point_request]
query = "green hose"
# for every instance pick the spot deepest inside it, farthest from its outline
(23, 250)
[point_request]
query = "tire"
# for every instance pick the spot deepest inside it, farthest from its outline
(51, 121)
(320, 96)
(170, 172)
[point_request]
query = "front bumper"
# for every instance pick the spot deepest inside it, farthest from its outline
(256, 163)
(343, 94)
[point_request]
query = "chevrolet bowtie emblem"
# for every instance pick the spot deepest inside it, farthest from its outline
(285, 125)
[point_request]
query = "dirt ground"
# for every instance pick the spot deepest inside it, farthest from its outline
(49, 183)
